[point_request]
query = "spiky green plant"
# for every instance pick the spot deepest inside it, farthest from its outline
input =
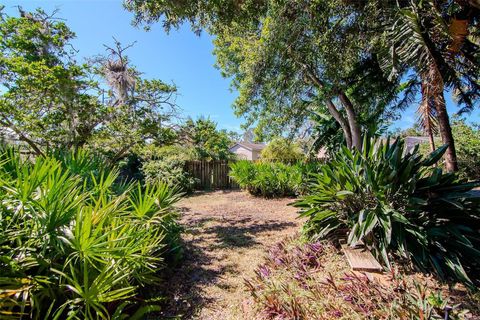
(398, 204)
(76, 250)
(272, 179)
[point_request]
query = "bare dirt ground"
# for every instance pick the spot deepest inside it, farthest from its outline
(225, 238)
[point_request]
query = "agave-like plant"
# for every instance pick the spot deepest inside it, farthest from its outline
(72, 249)
(396, 203)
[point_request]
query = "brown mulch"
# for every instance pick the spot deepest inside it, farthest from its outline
(226, 235)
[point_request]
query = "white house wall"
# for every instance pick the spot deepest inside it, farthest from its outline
(255, 155)
(242, 153)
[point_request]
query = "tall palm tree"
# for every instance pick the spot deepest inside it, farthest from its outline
(425, 37)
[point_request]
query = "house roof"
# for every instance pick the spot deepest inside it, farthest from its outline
(250, 146)
(411, 142)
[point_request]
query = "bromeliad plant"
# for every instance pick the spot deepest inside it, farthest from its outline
(398, 203)
(72, 248)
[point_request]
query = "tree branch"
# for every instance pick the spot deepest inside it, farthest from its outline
(7, 123)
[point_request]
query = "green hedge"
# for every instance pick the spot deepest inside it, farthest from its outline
(272, 179)
(167, 165)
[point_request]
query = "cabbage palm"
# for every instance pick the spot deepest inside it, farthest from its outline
(438, 50)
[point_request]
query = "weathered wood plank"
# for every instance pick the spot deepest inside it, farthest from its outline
(360, 259)
(211, 174)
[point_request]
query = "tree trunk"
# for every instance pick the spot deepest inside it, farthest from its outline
(21, 136)
(443, 120)
(431, 140)
(446, 133)
(333, 109)
(352, 121)
(426, 111)
(341, 120)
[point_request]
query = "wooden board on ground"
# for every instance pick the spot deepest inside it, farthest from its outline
(360, 259)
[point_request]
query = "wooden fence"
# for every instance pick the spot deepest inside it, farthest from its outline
(211, 174)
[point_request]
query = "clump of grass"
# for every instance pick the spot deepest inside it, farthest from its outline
(313, 281)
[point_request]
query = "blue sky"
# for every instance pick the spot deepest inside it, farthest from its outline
(180, 57)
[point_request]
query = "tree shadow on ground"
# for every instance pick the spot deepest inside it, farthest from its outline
(184, 286)
(232, 233)
(199, 193)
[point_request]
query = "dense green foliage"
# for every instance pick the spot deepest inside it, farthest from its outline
(167, 165)
(398, 204)
(74, 244)
(44, 87)
(49, 101)
(430, 42)
(272, 179)
(282, 150)
(206, 140)
(467, 144)
(198, 139)
(345, 59)
(290, 58)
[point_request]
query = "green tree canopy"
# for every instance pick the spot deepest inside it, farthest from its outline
(284, 150)
(437, 42)
(208, 141)
(46, 100)
(51, 101)
(141, 111)
(290, 58)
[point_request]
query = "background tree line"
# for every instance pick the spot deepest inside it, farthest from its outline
(353, 65)
(51, 101)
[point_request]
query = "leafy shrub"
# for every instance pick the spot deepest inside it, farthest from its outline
(167, 165)
(81, 162)
(282, 150)
(301, 182)
(206, 140)
(75, 249)
(313, 281)
(170, 172)
(397, 203)
(130, 168)
(173, 152)
(467, 145)
(272, 179)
